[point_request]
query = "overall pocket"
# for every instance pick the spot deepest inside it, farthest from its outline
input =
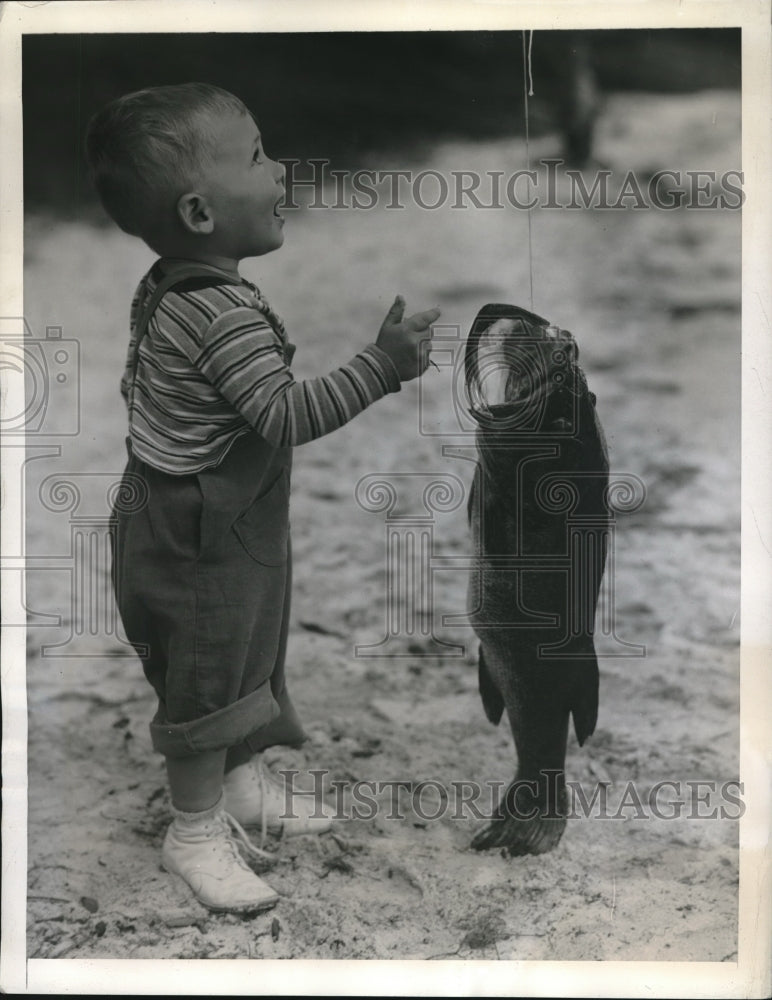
(263, 527)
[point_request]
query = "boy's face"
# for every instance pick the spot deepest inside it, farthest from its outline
(243, 188)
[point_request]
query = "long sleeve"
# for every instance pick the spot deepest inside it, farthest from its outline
(243, 357)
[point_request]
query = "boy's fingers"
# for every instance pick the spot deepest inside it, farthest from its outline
(396, 310)
(421, 320)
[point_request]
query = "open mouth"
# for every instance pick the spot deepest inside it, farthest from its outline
(514, 362)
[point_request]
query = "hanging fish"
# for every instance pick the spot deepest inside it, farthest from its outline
(539, 522)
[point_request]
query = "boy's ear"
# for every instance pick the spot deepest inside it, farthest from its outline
(195, 214)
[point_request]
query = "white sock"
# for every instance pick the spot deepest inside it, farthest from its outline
(193, 818)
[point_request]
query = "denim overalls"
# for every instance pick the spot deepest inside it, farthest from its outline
(202, 577)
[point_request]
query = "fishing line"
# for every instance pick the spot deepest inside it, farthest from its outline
(528, 92)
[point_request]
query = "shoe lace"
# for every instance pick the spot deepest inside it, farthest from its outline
(237, 837)
(268, 776)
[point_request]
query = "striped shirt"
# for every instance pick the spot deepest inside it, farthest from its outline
(214, 364)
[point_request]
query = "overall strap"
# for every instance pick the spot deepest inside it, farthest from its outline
(168, 281)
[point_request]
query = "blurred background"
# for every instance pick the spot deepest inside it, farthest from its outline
(348, 96)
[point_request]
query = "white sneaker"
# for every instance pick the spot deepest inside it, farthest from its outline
(203, 849)
(256, 797)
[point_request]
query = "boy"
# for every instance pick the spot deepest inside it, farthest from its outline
(202, 570)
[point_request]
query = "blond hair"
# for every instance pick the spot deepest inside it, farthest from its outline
(146, 148)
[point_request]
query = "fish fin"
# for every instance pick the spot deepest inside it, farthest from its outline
(492, 701)
(473, 493)
(584, 705)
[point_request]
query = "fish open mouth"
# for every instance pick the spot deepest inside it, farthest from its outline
(515, 362)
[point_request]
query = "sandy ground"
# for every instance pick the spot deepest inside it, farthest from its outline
(653, 300)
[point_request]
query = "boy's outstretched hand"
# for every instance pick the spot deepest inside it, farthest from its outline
(406, 340)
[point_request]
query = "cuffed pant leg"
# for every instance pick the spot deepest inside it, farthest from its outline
(216, 731)
(285, 728)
